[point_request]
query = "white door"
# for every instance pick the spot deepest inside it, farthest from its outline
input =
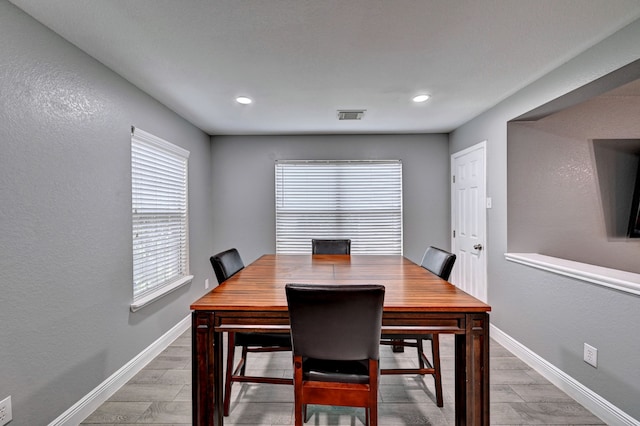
(468, 220)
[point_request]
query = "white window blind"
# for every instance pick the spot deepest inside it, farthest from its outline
(159, 209)
(358, 200)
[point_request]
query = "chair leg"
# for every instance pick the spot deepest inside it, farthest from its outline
(372, 414)
(420, 349)
(435, 353)
(243, 370)
(227, 383)
(299, 409)
(372, 409)
(298, 415)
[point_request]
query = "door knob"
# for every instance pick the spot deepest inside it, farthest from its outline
(478, 247)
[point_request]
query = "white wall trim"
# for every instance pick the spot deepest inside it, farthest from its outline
(94, 399)
(605, 410)
(627, 282)
(161, 292)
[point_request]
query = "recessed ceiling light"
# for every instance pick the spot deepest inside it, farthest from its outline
(420, 98)
(243, 100)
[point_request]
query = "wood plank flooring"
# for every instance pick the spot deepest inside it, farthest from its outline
(160, 394)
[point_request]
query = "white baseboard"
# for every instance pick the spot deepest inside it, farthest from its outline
(605, 410)
(90, 402)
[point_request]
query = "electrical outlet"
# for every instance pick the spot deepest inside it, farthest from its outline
(206, 283)
(5, 411)
(591, 355)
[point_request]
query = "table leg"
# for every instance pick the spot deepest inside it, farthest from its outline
(206, 370)
(472, 371)
(218, 379)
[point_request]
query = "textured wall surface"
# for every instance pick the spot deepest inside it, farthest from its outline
(243, 184)
(557, 196)
(65, 220)
(553, 315)
(65, 243)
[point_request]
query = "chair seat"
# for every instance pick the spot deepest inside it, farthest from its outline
(263, 339)
(336, 371)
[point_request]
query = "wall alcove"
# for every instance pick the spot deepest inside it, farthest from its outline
(571, 173)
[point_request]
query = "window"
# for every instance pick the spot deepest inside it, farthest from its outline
(358, 200)
(159, 210)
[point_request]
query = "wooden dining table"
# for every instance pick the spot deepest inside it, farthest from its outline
(416, 301)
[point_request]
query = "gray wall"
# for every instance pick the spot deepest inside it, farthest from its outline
(243, 184)
(65, 220)
(557, 192)
(65, 245)
(553, 315)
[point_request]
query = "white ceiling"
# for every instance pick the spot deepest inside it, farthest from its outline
(301, 60)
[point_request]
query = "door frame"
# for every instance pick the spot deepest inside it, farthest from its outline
(483, 206)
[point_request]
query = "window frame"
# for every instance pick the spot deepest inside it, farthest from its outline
(151, 155)
(296, 223)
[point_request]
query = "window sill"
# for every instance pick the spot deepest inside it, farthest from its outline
(152, 297)
(627, 282)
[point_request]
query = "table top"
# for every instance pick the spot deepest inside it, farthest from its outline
(409, 287)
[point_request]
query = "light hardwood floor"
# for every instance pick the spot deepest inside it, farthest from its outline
(160, 394)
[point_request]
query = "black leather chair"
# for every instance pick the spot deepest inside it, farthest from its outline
(335, 331)
(225, 265)
(323, 246)
(438, 261)
(441, 263)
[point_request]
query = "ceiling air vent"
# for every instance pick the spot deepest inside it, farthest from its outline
(351, 114)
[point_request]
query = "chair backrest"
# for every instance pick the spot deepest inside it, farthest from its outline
(321, 246)
(226, 264)
(335, 322)
(438, 261)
